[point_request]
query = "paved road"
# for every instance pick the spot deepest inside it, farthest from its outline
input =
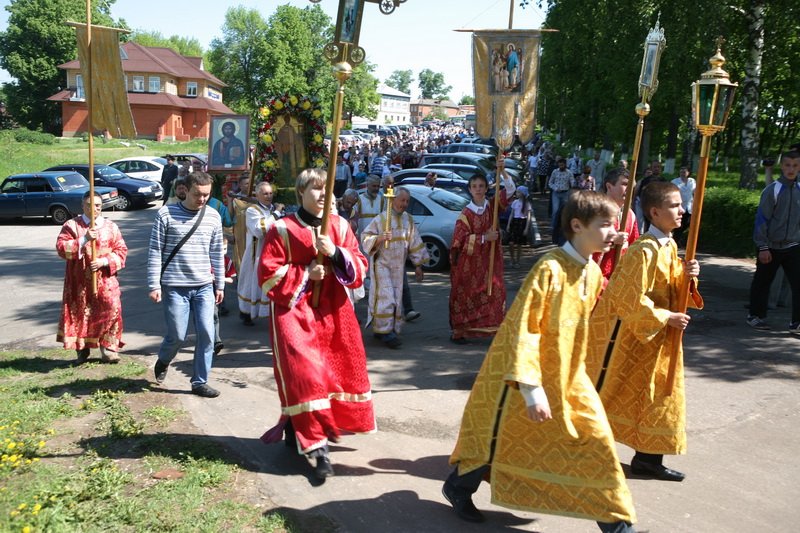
(743, 398)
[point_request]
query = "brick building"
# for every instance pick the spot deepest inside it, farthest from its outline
(171, 96)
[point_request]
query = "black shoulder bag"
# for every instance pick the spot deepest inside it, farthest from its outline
(183, 240)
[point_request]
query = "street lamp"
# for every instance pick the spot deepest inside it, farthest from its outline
(712, 99)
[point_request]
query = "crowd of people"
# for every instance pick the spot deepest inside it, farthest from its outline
(581, 356)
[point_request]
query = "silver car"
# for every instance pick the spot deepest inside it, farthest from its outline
(435, 212)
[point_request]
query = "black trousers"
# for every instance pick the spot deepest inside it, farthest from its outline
(789, 259)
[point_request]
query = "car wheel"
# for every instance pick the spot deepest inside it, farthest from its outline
(439, 256)
(60, 214)
(125, 203)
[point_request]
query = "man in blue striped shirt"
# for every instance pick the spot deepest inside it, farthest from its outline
(192, 280)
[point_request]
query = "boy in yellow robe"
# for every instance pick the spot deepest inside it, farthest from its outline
(630, 347)
(534, 422)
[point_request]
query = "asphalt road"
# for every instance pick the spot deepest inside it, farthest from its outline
(743, 403)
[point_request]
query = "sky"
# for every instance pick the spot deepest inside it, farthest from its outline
(419, 34)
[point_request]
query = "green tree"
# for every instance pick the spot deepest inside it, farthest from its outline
(432, 85)
(185, 46)
(401, 80)
(467, 99)
(34, 44)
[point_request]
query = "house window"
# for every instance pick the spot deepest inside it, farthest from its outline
(138, 84)
(79, 92)
(126, 80)
(191, 88)
(155, 84)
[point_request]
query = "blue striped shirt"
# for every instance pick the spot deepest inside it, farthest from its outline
(192, 265)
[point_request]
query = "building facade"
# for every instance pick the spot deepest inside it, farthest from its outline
(394, 107)
(425, 106)
(172, 98)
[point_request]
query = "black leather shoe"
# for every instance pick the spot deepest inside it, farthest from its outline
(459, 340)
(641, 468)
(324, 468)
(160, 371)
(218, 346)
(462, 503)
(205, 391)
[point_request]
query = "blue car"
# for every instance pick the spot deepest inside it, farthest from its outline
(58, 195)
(133, 192)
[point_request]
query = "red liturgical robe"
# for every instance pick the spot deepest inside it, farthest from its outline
(473, 313)
(319, 360)
(87, 320)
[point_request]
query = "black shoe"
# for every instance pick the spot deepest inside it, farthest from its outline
(82, 356)
(246, 319)
(160, 371)
(462, 503)
(205, 391)
(460, 340)
(393, 342)
(223, 311)
(655, 471)
(324, 468)
(218, 346)
(412, 315)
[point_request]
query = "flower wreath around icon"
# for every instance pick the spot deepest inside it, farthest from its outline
(305, 109)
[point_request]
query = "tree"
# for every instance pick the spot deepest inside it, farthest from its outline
(35, 43)
(185, 46)
(467, 99)
(259, 58)
(401, 80)
(431, 85)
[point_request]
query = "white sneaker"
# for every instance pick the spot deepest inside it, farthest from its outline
(412, 315)
(758, 323)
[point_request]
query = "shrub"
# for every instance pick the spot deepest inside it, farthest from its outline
(23, 135)
(727, 221)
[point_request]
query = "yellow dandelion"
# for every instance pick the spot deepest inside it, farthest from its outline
(13, 513)
(41, 444)
(36, 508)
(11, 445)
(13, 458)
(26, 529)
(22, 506)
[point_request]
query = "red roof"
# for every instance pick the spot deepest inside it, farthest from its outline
(158, 60)
(161, 99)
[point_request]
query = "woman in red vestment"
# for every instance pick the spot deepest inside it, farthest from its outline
(318, 356)
(473, 313)
(91, 320)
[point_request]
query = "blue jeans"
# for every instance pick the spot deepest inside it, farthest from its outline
(557, 198)
(179, 304)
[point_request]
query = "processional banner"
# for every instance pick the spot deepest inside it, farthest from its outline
(505, 65)
(105, 88)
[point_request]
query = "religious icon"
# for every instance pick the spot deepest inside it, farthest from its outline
(290, 147)
(506, 68)
(348, 22)
(228, 142)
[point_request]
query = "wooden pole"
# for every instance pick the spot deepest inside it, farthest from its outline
(495, 216)
(342, 71)
(642, 109)
(511, 14)
(88, 94)
(675, 335)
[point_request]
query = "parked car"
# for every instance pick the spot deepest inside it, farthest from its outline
(482, 161)
(435, 212)
(58, 195)
(449, 181)
(196, 162)
(145, 167)
(464, 172)
(468, 148)
(133, 192)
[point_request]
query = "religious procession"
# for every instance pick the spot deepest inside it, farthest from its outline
(549, 296)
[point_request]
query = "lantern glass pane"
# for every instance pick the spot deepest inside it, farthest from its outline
(706, 97)
(722, 105)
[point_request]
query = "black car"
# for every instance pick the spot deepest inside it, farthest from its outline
(58, 195)
(133, 192)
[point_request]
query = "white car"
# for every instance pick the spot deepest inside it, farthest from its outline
(144, 167)
(435, 212)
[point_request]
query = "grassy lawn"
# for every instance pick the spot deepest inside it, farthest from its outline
(25, 157)
(93, 449)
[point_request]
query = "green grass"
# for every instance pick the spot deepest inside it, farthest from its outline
(24, 157)
(79, 447)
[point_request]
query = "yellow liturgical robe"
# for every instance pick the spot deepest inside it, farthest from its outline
(567, 465)
(641, 293)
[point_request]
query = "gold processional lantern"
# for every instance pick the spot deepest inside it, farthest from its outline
(712, 100)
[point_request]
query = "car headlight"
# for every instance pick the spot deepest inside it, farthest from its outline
(144, 189)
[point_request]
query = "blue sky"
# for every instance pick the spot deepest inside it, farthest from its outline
(418, 35)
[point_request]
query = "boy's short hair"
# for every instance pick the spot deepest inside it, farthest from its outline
(791, 154)
(612, 177)
(586, 206)
(655, 194)
(198, 178)
(309, 177)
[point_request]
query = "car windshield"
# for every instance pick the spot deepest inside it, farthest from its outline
(160, 160)
(70, 181)
(448, 200)
(110, 173)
